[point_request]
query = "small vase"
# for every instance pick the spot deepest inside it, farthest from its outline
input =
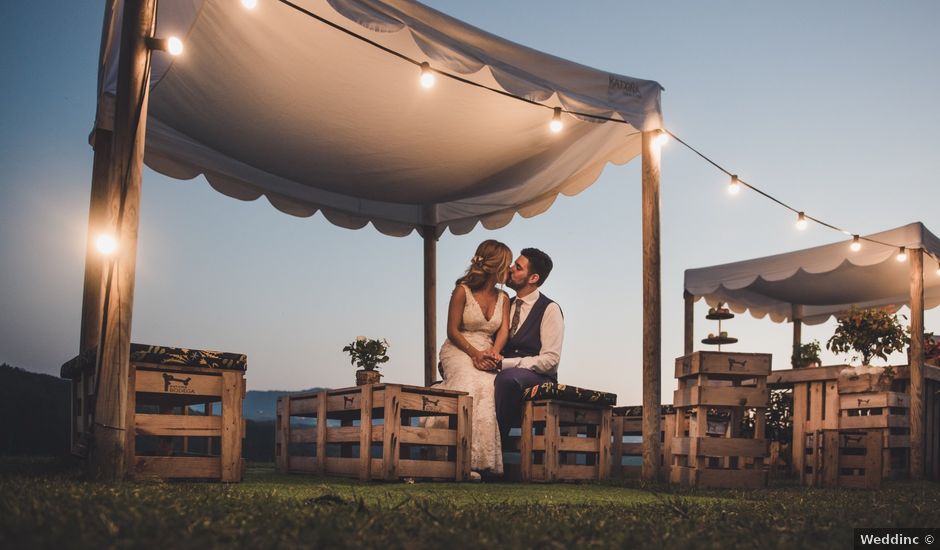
(364, 377)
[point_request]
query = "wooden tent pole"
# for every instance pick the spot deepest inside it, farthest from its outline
(106, 459)
(689, 321)
(917, 363)
(97, 221)
(652, 305)
(430, 305)
(797, 319)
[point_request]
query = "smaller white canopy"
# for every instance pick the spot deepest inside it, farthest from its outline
(821, 281)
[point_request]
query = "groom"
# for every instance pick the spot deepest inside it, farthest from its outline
(536, 331)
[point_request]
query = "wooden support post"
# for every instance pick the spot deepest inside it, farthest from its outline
(321, 432)
(616, 449)
(282, 434)
(652, 306)
(603, 452)
(464, 437)
(391, 444)
(430, 305)
(552, 439)
(689, 322)
(107, 458)
(796, 318)
(917, 363)
(97, 221)
(365, 433)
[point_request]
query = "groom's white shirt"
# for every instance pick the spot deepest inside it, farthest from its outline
(552, 335)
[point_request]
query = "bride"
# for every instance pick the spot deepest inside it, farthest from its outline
(477, 329)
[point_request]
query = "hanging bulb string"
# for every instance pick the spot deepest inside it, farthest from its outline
(600, 118)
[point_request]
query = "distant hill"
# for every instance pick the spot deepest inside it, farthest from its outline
(262, 405)
(34, 409)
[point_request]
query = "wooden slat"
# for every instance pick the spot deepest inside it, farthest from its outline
(551, 440)
(303, 464)
(346, 401)
(365, 434)
(525, 442)
(830, 471)
(852, 461)
(321, 431)
(178, 467)
(426, 468)
(303, 406)
(617, 445)
(231, 438)
(874, 400)
(721, 362)
(130, 417)
(873, 421)
(177, 383)
(571, 472)
(178, 425)
(721, 396)
(303, 435)
(578, 444)
(722, 446)
(349, 434)
(428, 403)
(427, 436)
(603, 434)
(631, 449)
(391, 445)
(342, 466)
(464, 439)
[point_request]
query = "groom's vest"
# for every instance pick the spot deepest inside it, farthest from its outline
(527, 342)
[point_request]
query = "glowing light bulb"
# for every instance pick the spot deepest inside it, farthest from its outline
(427, 77)
(856, 245)
(106, 244)
(735, 186)
(174, 45)
(938, 269)
(556, 124)
(902, 255)
(250, 4)
(662, 138)
(801, 221)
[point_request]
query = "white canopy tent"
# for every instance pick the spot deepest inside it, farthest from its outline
(316, 105)
(814, 284)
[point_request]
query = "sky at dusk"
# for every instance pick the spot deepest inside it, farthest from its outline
(829, 106)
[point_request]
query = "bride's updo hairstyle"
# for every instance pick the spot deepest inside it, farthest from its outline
(491, 257)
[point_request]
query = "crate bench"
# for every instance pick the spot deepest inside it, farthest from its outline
(376, 431)
(184, 411)
(566, 434)
(628, 422)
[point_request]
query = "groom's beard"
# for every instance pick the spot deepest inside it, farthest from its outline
(513, 285)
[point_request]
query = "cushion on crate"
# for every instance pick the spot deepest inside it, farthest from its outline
(162, 355)
(637, 410)
(564, 392)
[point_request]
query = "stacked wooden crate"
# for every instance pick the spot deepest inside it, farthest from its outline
(881, 413)
(628, 423)
(380, 431)
(556, 434)
(723, 385)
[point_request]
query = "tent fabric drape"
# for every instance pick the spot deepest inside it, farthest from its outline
(823, 281)
(271, 102)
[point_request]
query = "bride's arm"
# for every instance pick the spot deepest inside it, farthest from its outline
(458, 299)
(502, 335)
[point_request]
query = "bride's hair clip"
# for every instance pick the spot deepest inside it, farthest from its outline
(477, 261)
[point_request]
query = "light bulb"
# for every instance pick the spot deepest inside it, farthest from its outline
(556, 124)
(735, 186)
(106, 244)
(662, 138)
(174, 45)
(801, 221)
(856, 245)
(902, 255)
(250, 4)
(938, 269)
(427, 77)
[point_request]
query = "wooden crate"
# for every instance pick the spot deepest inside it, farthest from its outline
(628, 422)
(716, 390)
(376, 432)
(847, 458)
(184, 412)
(557, 436)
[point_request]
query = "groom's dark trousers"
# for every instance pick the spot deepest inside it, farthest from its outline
(509, 385)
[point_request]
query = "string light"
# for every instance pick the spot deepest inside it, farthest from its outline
(662, 138)
(735, 186)
(427, 77)
(856, 244)
(902, 255)
(250, 4)
(106, 244)
(171, 45)
(801, 221)
(556, 124)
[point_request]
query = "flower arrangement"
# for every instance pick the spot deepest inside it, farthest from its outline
(806, 354)
(367, 353)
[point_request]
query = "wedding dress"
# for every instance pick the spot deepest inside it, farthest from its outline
(461, 375)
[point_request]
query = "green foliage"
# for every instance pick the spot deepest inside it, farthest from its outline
(869, 332)
(367, 353)
(46, 505)
(806, 354)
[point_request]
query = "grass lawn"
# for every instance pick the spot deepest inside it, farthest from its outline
(44, 504)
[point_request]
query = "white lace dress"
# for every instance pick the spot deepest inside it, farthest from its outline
(460, 374)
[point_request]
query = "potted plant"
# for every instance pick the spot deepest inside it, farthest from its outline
(869, 333)
(367, 354)
(806, 355)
